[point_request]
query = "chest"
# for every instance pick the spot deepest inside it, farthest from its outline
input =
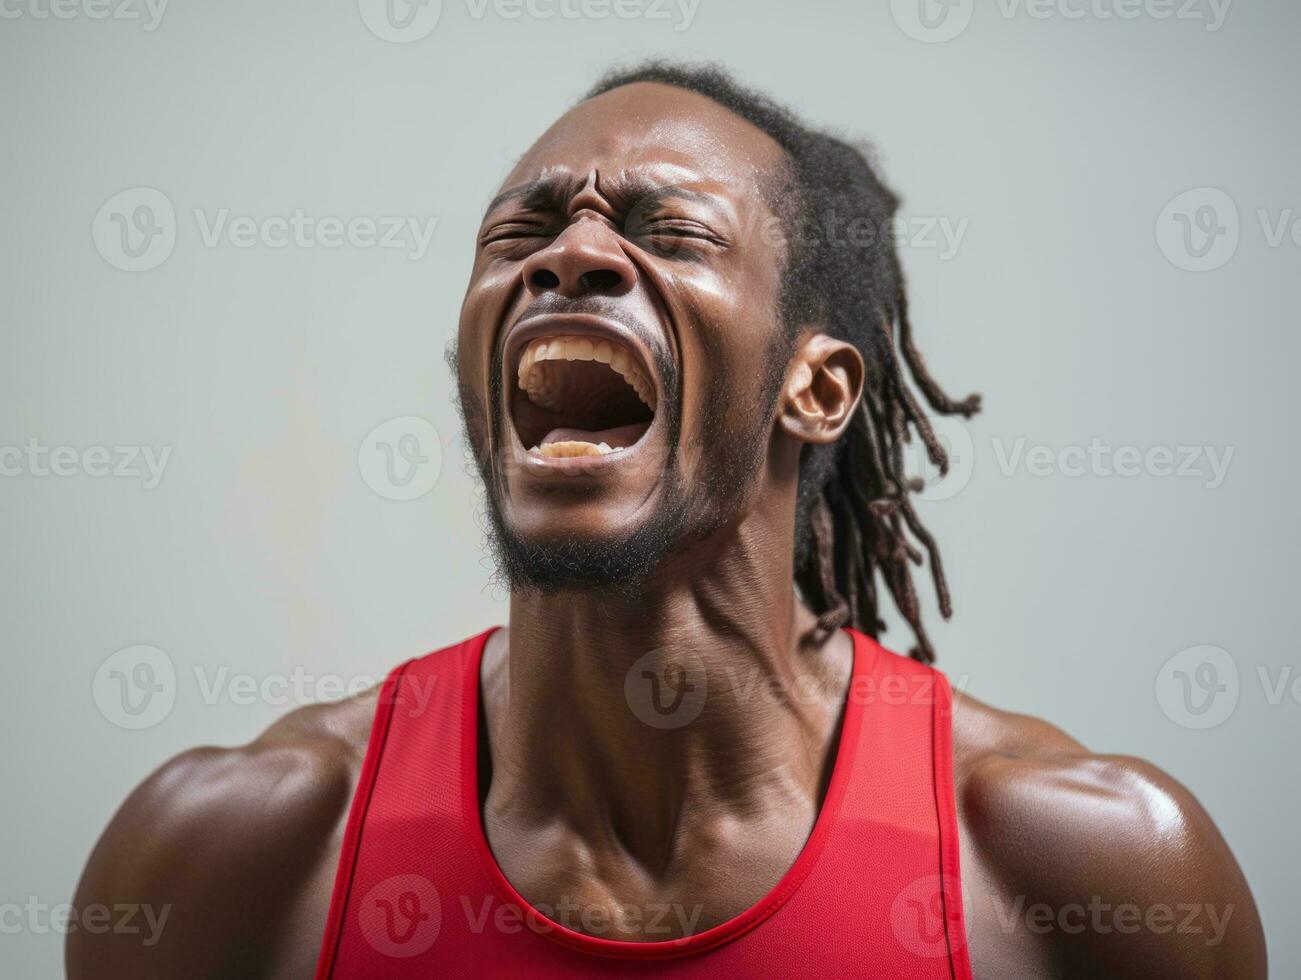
(716, 872)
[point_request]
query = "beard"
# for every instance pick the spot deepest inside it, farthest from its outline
(732, 444)
(621, 563)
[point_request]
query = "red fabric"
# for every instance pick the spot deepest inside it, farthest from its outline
(875, 891)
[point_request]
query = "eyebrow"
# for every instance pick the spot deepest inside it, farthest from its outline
(539, 193)
(550, 193)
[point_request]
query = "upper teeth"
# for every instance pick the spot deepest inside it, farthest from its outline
(532, 375)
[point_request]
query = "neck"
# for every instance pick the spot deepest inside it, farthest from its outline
(708, 695)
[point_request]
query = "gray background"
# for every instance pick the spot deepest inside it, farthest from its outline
(272, 545)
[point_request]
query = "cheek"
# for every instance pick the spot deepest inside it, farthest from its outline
(483, 311)
(731, 320)
(727, 335)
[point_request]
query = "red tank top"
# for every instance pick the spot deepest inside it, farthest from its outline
(874, 892)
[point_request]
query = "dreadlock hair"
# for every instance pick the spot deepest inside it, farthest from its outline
(853, 516)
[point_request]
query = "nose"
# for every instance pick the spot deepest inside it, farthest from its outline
(584, 258)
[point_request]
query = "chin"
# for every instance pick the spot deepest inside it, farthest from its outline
(584, 546)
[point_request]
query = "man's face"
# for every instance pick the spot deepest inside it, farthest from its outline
(618, 348)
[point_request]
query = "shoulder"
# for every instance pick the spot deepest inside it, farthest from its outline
(1093, 864)
(217, 847)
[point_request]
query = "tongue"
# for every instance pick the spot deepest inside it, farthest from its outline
(619, 437)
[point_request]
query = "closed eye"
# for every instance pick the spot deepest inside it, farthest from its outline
(668, 234)
(513, 230)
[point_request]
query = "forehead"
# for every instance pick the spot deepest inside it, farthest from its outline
(647, 130)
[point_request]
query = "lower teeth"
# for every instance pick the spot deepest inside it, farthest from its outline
(574, 447)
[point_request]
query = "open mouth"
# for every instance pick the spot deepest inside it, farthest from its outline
(580, 396)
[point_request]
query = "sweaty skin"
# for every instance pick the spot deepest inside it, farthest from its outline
(243, 843)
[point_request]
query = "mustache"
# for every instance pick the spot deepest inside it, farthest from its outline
(604, 306)
(590, 303)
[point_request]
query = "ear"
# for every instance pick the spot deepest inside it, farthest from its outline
(823, 385)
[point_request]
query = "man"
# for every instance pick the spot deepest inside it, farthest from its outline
(683, 363)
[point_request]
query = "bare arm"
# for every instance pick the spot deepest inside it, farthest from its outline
(227, 855)
(1091, 865)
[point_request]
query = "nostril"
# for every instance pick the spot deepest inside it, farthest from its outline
(545, 279)
(600, 279)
